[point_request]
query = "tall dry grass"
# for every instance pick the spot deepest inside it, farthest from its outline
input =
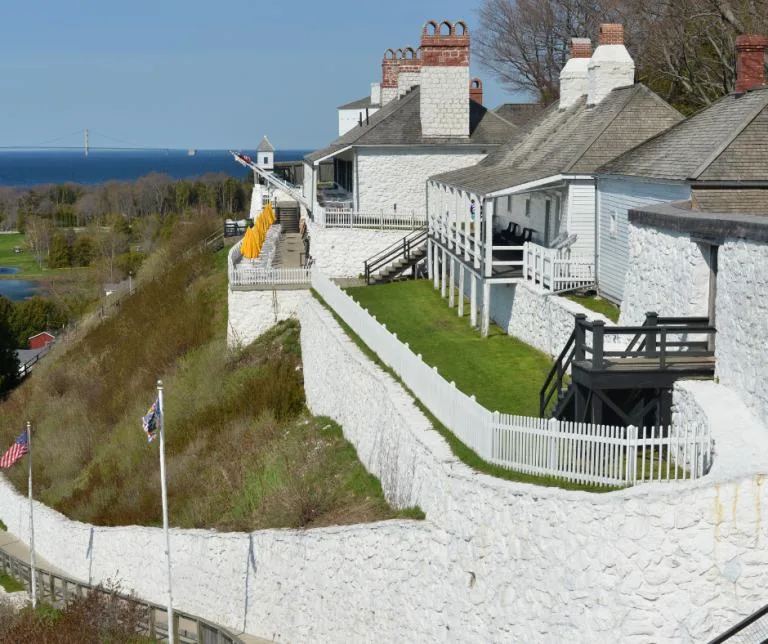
(242, 450)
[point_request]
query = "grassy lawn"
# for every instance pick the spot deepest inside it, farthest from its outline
(503, 373)
(598, 305)
(10, 584)
(24, 261)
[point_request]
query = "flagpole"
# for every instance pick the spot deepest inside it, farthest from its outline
(32, 569)
(171, 633)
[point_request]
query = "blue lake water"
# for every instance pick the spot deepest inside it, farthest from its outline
(17, 290)
(28, 168)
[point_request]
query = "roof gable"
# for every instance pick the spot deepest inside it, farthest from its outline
(746, 156)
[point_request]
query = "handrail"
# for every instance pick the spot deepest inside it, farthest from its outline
(401, 248)
(560, 368)
(742, 625)
(59, 593)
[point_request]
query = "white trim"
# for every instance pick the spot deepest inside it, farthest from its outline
(331, 155)
(524, 187)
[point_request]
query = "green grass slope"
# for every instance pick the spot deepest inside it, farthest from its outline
(243, 452)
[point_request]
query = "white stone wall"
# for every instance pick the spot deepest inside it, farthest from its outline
(444, 101)
(341, 252)
(349, 119)
(741, 318)
(574, 81)
(495, 560)
(667, 273)
(539, 319)
(308, 185)
(386, 178)
(251, 313)
(388, 94)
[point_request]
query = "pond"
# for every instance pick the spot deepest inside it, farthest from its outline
(16, 290)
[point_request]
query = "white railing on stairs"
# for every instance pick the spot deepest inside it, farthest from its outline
(576, 452)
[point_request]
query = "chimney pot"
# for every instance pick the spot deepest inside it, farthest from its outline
(476, 90)
(750, 61)
(611, 33)
(581, 48)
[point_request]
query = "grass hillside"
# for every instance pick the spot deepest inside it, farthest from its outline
(242, 452)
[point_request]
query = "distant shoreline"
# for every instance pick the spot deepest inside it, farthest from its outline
(30, 168)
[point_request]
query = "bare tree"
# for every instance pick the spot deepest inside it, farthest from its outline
(39, 232)
(683, 49)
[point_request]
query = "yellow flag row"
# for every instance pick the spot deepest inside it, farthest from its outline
(255, 236)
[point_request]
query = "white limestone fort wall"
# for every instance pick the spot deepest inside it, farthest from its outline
(341, 252)
(386, 178)
(494, 561)
(741, 316)
(667, 273)
(251, 313)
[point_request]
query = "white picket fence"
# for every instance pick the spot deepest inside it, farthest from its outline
(554, 270)
(576, 452)
(332, 218)
(260, 272)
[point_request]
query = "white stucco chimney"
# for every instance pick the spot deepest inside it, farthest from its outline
(611, 66)
(375, 93)
(574, 76)
(444, 97)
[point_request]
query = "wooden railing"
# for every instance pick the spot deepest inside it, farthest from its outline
(555, 270)
(403, 249)
(58, 590)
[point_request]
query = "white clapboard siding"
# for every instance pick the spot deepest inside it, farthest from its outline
(616, 196)
(575, 452)
(581, 217)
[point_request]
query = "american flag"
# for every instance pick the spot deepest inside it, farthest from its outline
(149, 423)
(15, 452)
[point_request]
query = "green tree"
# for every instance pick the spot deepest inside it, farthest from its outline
(83, 250)
(60, 255)
(33, 316)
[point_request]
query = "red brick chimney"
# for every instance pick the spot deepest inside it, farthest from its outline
(750, 62)
(409, 69)
(581, 47)
(611, 33)
(476, 90)
(389, 73)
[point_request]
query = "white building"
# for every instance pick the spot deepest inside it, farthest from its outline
(265, 155)
(427, 124)
(357, 112)
(541, 186)
(717, 158)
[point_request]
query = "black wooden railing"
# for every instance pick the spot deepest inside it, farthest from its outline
(751, 629)
(657, 339)
(404, 248)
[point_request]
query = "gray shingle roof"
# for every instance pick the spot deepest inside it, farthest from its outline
(726, 141)
(265, 146)
(360, 103)
(729, 200)
(519, 113)
(575, 140)
(399, 123)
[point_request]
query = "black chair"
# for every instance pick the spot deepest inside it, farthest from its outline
(499, 238)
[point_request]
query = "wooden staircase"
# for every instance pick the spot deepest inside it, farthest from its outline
(627, 382)
(288, 218)
(397, 258)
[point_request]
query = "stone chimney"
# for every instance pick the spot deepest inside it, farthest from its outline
(375, 93)
(750, 62)
(574, 81)
(476, 90)
(444, 99)
(611, 66)
(389, 76)
(409, 70)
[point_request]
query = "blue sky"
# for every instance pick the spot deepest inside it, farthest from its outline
(200, 74)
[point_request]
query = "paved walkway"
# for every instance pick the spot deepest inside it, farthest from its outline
(17, 548)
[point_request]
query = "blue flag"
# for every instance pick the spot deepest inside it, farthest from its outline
(151, 422)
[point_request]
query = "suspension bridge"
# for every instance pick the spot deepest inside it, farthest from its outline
(85, 144)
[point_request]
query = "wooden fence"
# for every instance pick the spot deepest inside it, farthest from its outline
(580, 453)
(58, 590)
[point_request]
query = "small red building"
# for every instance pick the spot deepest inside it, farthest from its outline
(41, 340)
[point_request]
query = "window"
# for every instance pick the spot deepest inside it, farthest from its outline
(614, 225)
(266, 160)
(528, 207)
(509, 203)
